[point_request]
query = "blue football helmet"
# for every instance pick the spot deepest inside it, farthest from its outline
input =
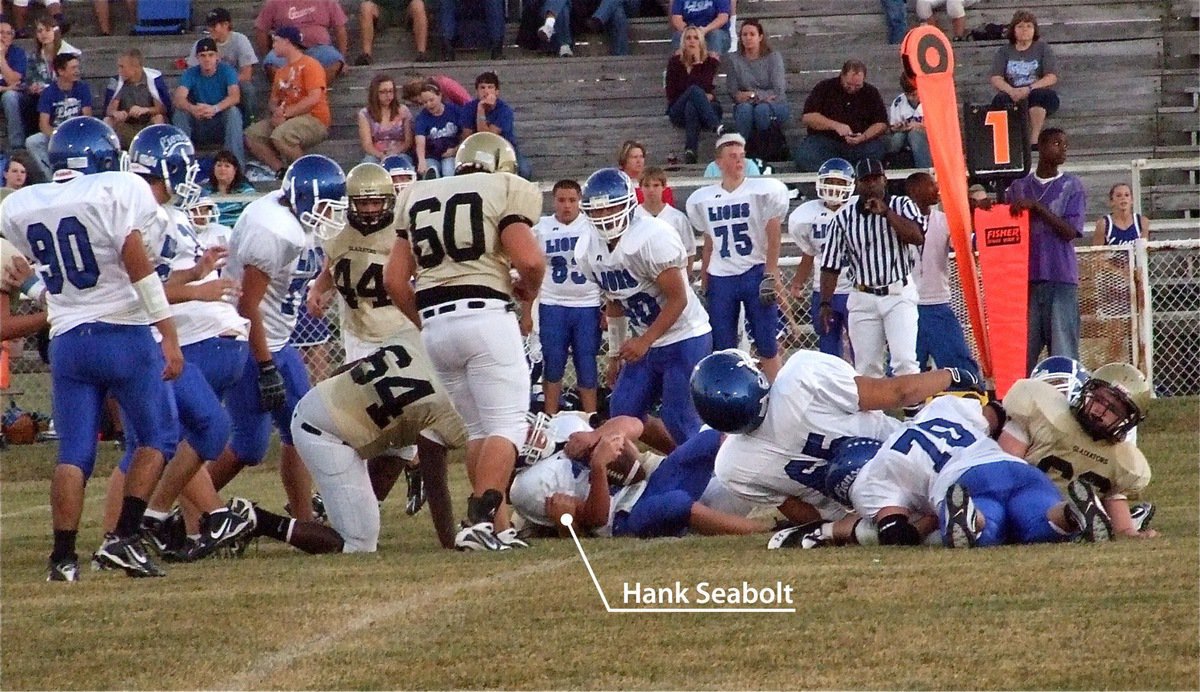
(730, 392)
(1067, 375)
(835, 181)
(609, 199)
(401, 169)
(165, 152)
(85, 145)
(315, 186)
(849, 455)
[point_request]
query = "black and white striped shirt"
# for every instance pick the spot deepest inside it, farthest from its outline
(866, 245)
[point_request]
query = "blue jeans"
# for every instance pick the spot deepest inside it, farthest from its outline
(1053, 320)
(815, 150)
(717, 40)
(38, 147)
(11, 102)
(226, 129)
(940, 336)
(561, 9)
(693, 111)
(897, 22)
(493, 11)
(751, 117)
(614, 15)
(916, 140)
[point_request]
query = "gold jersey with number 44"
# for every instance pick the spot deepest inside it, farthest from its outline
(1038, 414)
(356, 262)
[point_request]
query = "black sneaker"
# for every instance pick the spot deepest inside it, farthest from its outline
(237, 548)
(99, 565)
(416, 490)
(498, 53)
(128, 554)
(220, 529)
(1141, 514)
(1086, 511)
(806, 536)
(961, 531)
(481, 536)
(64, 570)
(157, 536)
(363, 59)
(689, 156)
(318, 509)
(422, 56)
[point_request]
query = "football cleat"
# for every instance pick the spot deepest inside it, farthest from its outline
(158, 536)
(245, 508)
(219, 529)
(128, 554)
(416, 490)
(804, 536)
(318, 509)
(511, 538)
(1084, 508)
(98, 564)
(64, 570)
(481, 536)
(961, 519)
(1141, 514)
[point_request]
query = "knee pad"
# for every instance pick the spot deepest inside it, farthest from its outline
(896, 530)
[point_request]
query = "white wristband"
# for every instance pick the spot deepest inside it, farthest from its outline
(618, 332)
(154, 298)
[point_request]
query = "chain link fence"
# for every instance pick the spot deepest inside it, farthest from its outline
(1163, 341)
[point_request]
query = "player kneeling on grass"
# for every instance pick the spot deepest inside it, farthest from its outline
(600, 478)
(1086, 439)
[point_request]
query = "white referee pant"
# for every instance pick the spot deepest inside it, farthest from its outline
(879, 323)
(479, 355)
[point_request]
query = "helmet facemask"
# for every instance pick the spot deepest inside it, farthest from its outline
(835, 189)
(1105, 411)
(373, 220)
(610, 220)
(202, 212)
(538, 443)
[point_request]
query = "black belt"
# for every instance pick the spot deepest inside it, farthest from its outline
(879, 290)
(447, 308)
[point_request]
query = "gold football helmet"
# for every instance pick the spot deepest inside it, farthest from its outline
(372, 197)
(1112, 402)
(485, 152)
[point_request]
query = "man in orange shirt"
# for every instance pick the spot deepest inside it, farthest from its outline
(299, 106)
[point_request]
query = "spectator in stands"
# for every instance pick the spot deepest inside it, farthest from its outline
(40, 73)
(299, 106)
(316, 21)
(102, 14)
(711, 16)
(452, 91)
(376, 15)
(1056, 203)
(1121, 226)
(906, 122)
(756, 82)
(554, 32)
(488, 112)
(13, 65)
(20, 171)
(136, 98)
(436, 134)
(66, 97)
(493, 11)
(712, 170)
(897, 21)
(227, 179)
(631, 159)
(1024, 71)
(654, 184)
(385, 126)
(206, 101)
(234, 49)
(691, 101)
(954, 9)
(845, 117)
(614, 16)
(54, 11)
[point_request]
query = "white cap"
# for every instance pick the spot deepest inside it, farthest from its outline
(731, 138)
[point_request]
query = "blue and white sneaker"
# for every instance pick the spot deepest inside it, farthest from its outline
(961, 519)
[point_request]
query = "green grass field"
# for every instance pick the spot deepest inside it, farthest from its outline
(1118, 615)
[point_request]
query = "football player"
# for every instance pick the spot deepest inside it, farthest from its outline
(212, 337)
(462, 233)
(17, 277)
(782, 436)
(641, 267)
(599, 477)
(402, 171)
(84, 234)
(1085, 439)
(741, 219)
(569, 304)
(808, 225)
(272, 255)
(354, 265)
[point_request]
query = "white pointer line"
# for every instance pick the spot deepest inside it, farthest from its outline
(568, 521)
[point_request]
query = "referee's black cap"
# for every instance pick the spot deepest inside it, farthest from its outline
(869, 167)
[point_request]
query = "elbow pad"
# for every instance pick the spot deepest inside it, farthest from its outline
(154, 298)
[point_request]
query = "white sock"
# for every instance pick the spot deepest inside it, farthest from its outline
(549, 25)
(155, 514)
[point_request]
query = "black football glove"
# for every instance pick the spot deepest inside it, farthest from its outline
(271, 394)
(766, 290)
(963, 381)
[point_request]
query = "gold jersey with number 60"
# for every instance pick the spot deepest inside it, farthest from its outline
(454, 225)
(1039, 416)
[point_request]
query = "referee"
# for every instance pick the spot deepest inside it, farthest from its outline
(873, 238)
